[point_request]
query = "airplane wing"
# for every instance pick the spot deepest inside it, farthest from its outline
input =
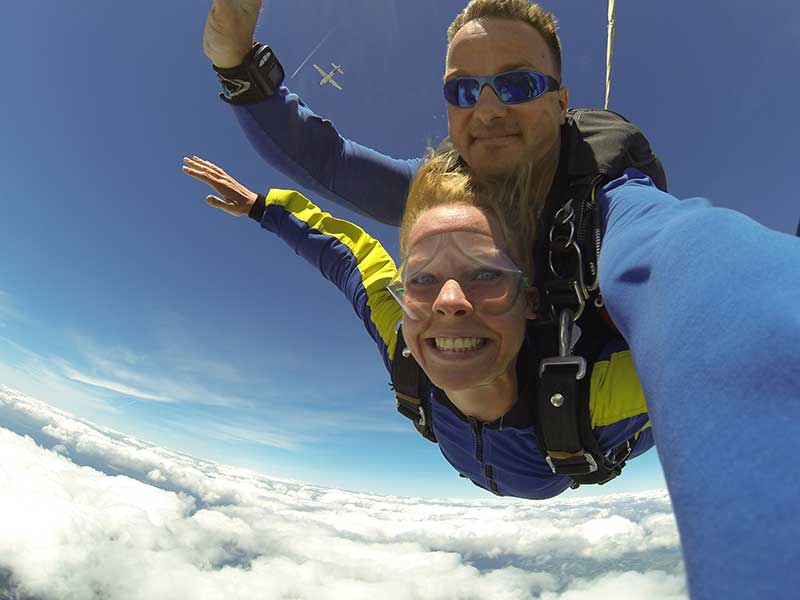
(321, 72)
(334, 84)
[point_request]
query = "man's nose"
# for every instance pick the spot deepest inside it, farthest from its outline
(489, 106)
(452, 301)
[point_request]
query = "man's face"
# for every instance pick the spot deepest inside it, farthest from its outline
(492, 137)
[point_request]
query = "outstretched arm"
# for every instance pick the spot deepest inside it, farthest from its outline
(291, 138)
(707, 299)
(297, 142)
(344, 253)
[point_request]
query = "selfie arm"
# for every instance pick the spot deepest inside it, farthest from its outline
(707, 299)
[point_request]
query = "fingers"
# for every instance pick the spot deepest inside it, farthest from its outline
(201, 175)
(217, 202)
(208, 173)
(236, 199)
(229, 207)
(203, 165)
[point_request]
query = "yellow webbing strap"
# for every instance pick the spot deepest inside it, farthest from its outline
(612, 9)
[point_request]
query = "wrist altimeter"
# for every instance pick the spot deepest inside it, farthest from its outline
(257, 78)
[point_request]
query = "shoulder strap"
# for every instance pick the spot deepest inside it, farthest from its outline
(596, 146)
(603, 142)
(411, 388)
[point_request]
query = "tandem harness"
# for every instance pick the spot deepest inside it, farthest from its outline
(596, 147)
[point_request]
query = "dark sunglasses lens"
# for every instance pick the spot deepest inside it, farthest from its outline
(462, 91)
(518, 87)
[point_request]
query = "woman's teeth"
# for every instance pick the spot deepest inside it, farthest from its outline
(459, 344)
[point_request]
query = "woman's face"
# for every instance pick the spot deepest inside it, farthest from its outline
(457, 344)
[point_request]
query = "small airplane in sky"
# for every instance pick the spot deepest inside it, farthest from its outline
(328, 77)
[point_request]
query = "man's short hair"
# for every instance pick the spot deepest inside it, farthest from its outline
(519, 10)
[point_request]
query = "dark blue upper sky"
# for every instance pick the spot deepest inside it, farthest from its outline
(127, 300)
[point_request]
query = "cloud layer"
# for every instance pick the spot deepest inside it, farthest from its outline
(88, 512)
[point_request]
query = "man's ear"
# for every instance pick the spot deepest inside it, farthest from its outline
(563, 103)
(531, 302)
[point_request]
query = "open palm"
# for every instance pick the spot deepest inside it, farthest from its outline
(235, 199)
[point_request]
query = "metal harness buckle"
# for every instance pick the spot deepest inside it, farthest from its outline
(573, 468)
(562, 237)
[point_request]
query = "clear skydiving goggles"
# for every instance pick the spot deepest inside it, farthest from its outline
(512, 87)
(487, 276)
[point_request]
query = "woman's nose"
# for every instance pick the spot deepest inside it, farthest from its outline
(451, 300)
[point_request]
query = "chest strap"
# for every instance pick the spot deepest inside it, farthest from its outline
(563, 419)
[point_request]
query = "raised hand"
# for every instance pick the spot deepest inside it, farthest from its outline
(228, 35)
(236, 199)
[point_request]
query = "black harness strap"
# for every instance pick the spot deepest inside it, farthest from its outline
(411, 388)
(563, 418)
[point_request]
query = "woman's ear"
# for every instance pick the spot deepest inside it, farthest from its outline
(531, 302)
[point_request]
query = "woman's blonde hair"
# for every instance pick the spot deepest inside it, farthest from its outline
(444, 180)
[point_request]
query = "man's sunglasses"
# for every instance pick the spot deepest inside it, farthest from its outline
(512, 87)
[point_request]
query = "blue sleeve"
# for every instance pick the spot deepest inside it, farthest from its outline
(346, 255)
(708, 301)
(309, 150)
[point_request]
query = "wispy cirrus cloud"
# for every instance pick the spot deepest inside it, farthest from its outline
(114, 386)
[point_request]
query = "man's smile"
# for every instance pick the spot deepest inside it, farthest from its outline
(495, 138)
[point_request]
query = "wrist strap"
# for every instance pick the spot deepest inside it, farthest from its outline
(257, 78)
(258, 209)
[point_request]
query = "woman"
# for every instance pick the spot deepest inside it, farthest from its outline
(708, 300)
(463, 293)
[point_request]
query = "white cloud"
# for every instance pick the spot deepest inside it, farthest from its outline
(114, 386)
(106, 515)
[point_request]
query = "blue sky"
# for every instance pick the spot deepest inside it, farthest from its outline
(128, 301)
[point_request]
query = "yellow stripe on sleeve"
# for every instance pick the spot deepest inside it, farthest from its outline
(615, 390)
(376, 266)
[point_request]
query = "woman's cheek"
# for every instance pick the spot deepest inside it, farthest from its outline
(412, 331)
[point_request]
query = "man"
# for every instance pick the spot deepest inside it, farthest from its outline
(718, 362)
(493, 137)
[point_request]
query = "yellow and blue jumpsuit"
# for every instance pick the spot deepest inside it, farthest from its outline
(503, 456)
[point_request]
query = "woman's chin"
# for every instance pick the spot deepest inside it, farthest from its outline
(457, 378)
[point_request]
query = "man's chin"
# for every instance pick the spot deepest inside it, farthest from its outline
(491, 160)
(495, 166)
